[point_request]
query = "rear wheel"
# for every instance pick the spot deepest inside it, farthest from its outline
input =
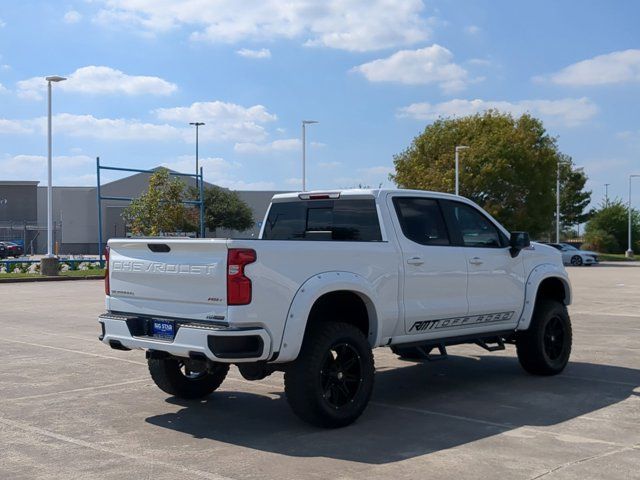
(544, 348)
(185, 378)
(330, 383)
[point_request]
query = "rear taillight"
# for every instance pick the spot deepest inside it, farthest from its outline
(107, 289)
(238, 285)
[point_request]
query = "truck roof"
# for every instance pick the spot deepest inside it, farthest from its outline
(355, 193)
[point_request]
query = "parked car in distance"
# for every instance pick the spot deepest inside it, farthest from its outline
(574, 256)
(12, 249)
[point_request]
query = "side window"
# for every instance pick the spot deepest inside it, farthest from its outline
(336, 220)
(474, 229)
(421, 220)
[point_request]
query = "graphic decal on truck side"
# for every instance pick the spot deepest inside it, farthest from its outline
(468, 321)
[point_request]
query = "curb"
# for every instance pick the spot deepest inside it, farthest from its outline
(49, 279)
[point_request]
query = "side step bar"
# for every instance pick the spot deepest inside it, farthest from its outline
(491, 344)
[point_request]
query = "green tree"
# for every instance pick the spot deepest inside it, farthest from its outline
(159, 209)
(574, 199)
(223, 209)
(608, 227)
(509, 169)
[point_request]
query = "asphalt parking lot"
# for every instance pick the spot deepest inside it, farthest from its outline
(71, 408)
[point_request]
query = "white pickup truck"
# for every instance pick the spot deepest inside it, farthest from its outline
(332, 276)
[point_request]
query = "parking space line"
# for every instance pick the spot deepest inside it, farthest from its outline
(85, 389)
(39, 345)
(84, 444)
(605, 314)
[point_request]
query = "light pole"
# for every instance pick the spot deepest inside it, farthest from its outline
(606, 194)
(197, 125)
(560, 162)
(304, 151)
(458, 148)
(50, 80)
(629, 252)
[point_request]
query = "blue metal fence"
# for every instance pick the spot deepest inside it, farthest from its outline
(199, 203)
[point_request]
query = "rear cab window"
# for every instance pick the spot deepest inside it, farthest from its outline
(329, 220)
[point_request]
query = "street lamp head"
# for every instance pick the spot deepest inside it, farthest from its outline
(54, 78)
(197, 124)
(309, 122)
(461, 147)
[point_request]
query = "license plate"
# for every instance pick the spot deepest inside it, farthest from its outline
(163, 329)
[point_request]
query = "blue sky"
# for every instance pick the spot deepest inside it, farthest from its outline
(372, 72)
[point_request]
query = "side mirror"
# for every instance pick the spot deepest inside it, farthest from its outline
(518, 241)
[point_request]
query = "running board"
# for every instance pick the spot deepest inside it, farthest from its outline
(441, 355)
(491, 344)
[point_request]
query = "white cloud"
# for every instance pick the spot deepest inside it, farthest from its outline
(93, 127)
(429, 65)
(3, 89)
(244, 185)
(213, 167)
(613, 68)
(248, 53)
(99, 80)
(329, 164)
(72, 16)
(283, 145)
(383, 171)
(8, 126)
(472, 29)
(34, 167)
(567, 111)
(218, 171)
(293, 182)
(224, 121)
(112, 128)
(354, 25)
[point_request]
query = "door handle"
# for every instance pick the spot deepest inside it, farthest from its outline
(475, 261)
(415, 261)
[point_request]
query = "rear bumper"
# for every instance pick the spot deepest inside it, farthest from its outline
(192, 339)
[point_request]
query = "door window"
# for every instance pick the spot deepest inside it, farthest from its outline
(421, 220)
(473, 228)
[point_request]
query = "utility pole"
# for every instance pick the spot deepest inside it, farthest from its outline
(304, 151)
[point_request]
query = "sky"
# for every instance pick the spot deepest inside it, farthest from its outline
(373, 73)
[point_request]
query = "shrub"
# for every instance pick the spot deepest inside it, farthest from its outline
(600, 241)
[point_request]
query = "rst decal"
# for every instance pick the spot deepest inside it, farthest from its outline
(461, 321)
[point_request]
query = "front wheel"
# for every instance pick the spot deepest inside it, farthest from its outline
(544, 348)
(330, 383)
(185, 378)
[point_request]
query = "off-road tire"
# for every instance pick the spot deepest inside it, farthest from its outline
(168, 376)
(545, 347)
(314, 384)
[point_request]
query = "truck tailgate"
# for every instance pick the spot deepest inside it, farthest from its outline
(182, 278)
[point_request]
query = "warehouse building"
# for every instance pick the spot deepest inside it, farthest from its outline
(23, 213)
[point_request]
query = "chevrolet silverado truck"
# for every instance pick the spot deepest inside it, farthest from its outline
(332, 276)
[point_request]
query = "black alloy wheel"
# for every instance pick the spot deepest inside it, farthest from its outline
(341, 375)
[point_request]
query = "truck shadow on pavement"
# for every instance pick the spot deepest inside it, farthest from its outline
(415, 409)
